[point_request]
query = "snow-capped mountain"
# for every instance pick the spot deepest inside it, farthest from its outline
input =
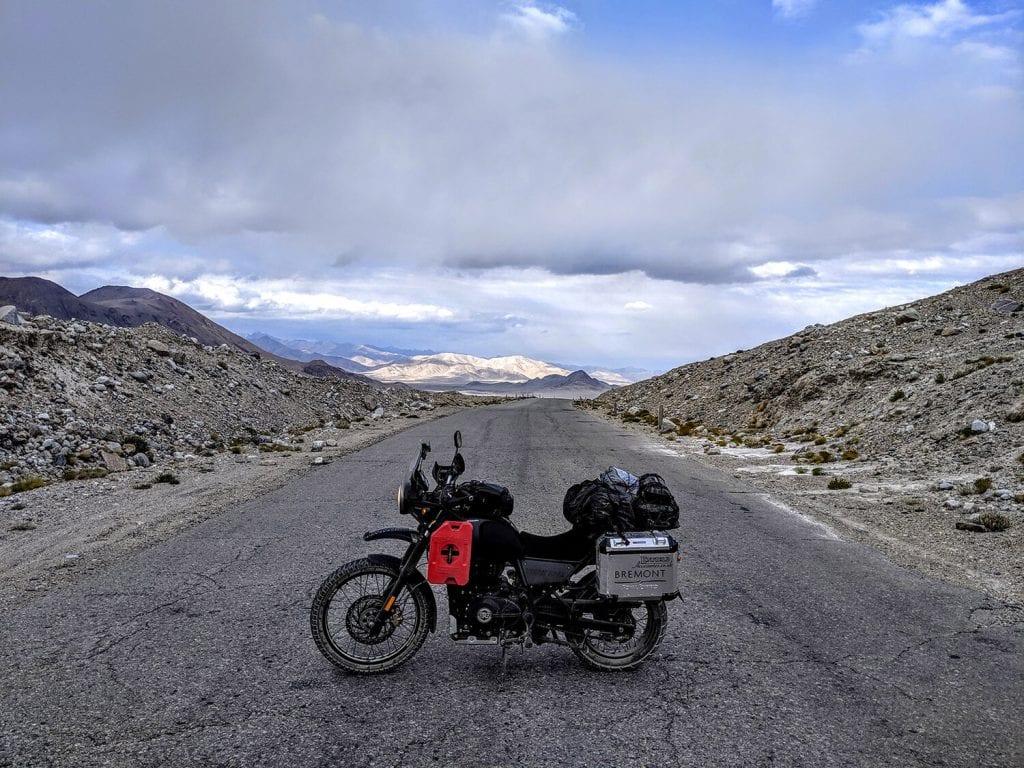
(443, 370)
(452, 369)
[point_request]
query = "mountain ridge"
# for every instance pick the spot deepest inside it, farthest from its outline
(127, 307)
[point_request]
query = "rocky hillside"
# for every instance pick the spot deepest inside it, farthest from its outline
(936, 386)
(80, 397)
(127, 307)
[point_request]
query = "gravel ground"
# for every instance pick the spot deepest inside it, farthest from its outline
(53, 534)
(903, 517)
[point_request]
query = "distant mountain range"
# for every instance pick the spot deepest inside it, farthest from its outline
(127, 307)
(512, 374)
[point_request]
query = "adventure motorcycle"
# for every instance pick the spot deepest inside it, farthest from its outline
(603, 594)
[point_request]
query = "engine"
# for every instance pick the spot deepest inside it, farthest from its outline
(479, 615)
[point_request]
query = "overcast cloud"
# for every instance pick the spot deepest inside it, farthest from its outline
(478, 178)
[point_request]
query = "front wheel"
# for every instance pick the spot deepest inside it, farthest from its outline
(639, 630)
(346, 607)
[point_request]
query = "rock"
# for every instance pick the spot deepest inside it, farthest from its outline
(318, 461)
(9, 314)
(317, 446)
(113, 462)
(141, 460)
(999, 305)
(949, 331)
(140, 376)
(378, 412)
(713, 450)
(979, 425)
(159, 347)
(944, 485)
(952, 504)
(178, 357)
(668, 426)
(907, 316)
(963, 525)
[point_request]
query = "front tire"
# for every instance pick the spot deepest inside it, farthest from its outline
(344, 609)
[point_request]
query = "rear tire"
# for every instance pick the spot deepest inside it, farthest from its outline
(608, 653)
(344, 607)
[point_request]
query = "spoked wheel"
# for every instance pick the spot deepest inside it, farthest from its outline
(639, 631)
(344, 612)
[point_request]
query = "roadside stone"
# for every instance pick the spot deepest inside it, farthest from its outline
(317, 446)
(907, 316)
(113, 462)
(378, 413)
(979, 425)
(964, 525)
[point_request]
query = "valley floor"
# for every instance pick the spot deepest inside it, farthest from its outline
(50, 535)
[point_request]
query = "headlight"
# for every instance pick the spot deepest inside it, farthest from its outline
(406, 498)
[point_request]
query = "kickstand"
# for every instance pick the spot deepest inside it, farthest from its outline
(503, 674)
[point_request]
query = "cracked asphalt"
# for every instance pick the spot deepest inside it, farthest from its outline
(789, 647)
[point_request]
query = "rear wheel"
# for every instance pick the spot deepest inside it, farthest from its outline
(639, 630)
(345, 609)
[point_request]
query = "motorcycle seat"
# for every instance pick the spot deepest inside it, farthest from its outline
(570, 545)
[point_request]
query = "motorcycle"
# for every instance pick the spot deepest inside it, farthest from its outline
(603, 596)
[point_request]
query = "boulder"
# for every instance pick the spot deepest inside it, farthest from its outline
(1003, 304)
(159, 347)
(907, 316)
(113, 462)
(9, 314)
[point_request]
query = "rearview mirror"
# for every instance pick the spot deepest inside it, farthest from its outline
(458, 439)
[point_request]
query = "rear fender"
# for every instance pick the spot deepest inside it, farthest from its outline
(415, 581)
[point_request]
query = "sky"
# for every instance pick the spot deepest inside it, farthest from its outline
(607, 183)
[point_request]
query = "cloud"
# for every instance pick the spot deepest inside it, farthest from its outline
(226, 296)
(793, 9)
(539, 24)
(944, 19)
(783, 270)
(473, 187)
(637, 306)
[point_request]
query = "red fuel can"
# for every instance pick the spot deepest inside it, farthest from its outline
(451, 546)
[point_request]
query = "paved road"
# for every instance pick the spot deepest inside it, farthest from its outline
(790, 647)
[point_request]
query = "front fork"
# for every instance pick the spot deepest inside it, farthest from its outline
(409, 563)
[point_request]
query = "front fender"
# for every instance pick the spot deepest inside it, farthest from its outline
(416, 583)
(402, 534)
